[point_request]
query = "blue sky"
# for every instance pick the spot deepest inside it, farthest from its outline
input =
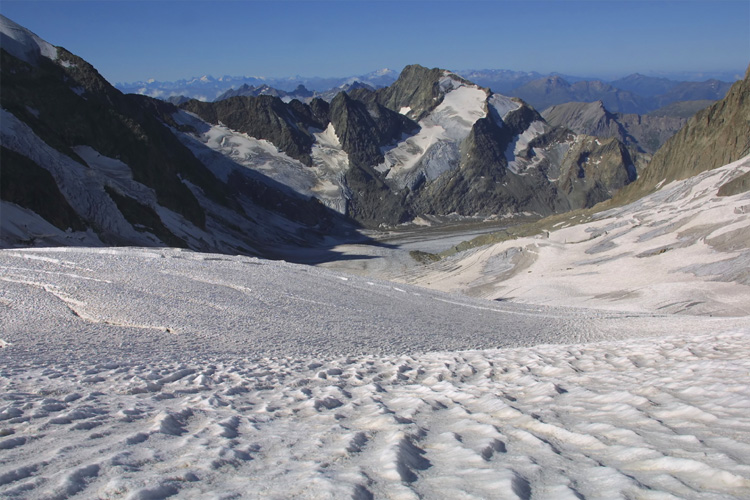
(172, 39)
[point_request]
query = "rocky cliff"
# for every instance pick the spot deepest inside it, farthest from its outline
(715, 136)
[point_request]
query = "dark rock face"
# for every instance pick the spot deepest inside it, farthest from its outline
(262, 117)
(76, 106)
(715, 136)
(417, 88)
(483, 185)
(28, 185)
(364, 127)
(594, 170)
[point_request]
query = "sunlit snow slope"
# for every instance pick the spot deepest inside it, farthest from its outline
(683, 249)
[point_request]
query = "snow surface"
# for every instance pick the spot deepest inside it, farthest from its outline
(23, 44)
(521, 142)
(155, 373)
(682, 249)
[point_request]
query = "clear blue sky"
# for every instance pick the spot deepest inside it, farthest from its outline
(172, 39)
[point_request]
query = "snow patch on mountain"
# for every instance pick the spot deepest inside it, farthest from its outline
(330, 163)
(24, 44)
(433, 150)
(323, 180)
(520, 142)
(81, 186)
(503, 105)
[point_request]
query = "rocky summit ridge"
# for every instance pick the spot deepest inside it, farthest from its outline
(434, 143)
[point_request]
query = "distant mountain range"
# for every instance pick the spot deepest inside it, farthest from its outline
(634, 93)
(645, 132)
(208, 88)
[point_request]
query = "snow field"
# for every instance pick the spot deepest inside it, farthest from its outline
(150, 373)
(682, 249)
(656, 418)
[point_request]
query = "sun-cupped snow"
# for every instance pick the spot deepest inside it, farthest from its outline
(207, 375)
(24, 44)
(433, 150)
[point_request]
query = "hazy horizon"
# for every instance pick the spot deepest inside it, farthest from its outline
(170, 40)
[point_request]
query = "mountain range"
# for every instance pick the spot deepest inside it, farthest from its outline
(85, 164)
(635, 93)
(246, 174)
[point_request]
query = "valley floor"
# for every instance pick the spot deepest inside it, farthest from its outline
(156, 373)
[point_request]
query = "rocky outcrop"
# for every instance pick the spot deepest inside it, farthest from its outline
(715, 136)
(365, 127)
(67, 103)
(590, 118)
(593, 170)
(645, 132)
(417, 89)
(264, 117)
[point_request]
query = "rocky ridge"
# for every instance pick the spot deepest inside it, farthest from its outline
(715, 136)
(647, 133)
(84, 164)
(434, 143)
(247, 173)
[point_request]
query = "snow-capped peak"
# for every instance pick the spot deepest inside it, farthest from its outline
(24, 44)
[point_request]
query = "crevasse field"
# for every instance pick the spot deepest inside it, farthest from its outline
(156, 373)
